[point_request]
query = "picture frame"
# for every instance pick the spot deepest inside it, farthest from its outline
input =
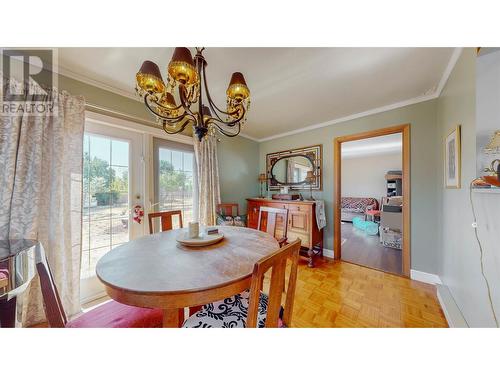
(453, 159)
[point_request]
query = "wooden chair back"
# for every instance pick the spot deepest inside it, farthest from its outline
(277, 262)
(227, 209)
(272, 221)
(54, 310)
(165, 219)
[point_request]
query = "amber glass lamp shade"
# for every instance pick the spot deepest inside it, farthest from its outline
(238, 89)
(149, 78)
(168, 105)
(181, 67)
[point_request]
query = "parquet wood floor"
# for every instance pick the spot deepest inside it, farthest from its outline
(341, 294)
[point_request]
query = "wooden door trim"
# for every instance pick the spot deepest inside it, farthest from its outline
(337, 175)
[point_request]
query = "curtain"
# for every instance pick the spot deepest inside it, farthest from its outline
(207, 168)
(40, 191)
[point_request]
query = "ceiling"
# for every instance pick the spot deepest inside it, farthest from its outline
(291, 88)
(386, 144)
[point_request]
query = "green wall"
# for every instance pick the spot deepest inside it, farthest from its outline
(238, 170)
(458, 251)
(424, 166)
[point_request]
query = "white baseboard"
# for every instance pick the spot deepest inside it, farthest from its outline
(328, 253)
(450, 309)
(425, 277)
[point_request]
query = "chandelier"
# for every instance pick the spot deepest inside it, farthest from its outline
(187, 80)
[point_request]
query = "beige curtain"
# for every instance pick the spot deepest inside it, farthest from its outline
(40, 192)
(207, 168)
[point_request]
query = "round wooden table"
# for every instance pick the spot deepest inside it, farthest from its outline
(156, 271)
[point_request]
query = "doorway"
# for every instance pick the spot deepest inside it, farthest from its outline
(372, 230)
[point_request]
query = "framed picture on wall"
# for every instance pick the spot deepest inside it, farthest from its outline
(453, 160)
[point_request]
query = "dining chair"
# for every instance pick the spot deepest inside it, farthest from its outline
(165, 218)
(228, 209)
(111, 314)
(271, 222)
(253, 308)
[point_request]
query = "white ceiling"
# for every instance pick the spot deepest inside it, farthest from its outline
(386, 144)
(291, 88)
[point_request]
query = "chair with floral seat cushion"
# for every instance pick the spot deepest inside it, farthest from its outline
(253, 308)
(228, 214)
(108, 315)
(228, 209)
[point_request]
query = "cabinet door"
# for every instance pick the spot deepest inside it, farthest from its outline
(298, 226)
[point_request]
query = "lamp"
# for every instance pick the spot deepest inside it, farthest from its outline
(310, 179)
(493, 147)
(262, 179)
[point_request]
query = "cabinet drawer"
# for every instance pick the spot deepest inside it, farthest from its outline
(292, 235)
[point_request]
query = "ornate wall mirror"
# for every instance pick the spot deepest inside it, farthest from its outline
(290, 168)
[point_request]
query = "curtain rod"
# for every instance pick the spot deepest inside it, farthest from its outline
(110, 112)
(105, 111)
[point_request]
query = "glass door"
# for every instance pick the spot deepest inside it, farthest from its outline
(111, 186)
(175, 179)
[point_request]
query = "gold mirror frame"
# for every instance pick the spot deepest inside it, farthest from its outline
(313, 153)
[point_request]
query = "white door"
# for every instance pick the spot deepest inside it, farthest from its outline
(113, 183)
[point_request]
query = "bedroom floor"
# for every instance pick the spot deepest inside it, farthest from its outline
(366, 250)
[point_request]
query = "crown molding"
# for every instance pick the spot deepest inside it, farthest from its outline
(354, 116)
(449, 68)
(250, 137)
(96, 83)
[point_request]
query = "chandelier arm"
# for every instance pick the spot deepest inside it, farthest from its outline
(233, 123)
(222, 130)
(172, 119)
(184, 101)
(166, 130)
(212, 104)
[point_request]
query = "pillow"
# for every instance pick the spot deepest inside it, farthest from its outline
(234, 221)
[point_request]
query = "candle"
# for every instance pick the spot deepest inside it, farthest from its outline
(194, 230)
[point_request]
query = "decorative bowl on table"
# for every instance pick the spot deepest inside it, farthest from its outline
(203, 239)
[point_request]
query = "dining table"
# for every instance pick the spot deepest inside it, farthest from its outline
(156, 271)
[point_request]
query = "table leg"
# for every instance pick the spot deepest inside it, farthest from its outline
(173, 318)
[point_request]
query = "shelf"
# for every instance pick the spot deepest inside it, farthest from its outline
(486, 190)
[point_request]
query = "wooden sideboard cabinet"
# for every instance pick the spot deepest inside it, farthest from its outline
(301, 223)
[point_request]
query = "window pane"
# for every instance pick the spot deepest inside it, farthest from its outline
(175, 182)
(177, 160)
(119, 154)
(105, 198)
(95, 255)
(100, 148)
(188, 162)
